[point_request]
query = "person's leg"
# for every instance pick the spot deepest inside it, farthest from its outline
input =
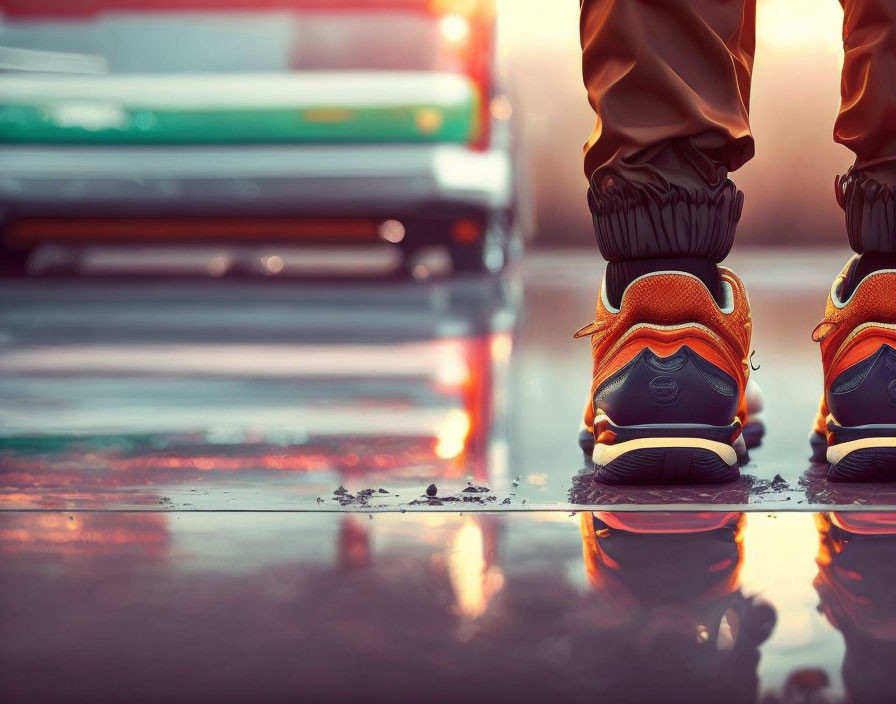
(669, 82)
(866, 124)
(855, 429)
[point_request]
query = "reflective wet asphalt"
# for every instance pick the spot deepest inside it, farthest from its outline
(437, 607)
(280, 490)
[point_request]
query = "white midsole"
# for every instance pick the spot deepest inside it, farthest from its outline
(841, 450)
(604, 454)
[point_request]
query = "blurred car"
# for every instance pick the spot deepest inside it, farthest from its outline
(372, 123)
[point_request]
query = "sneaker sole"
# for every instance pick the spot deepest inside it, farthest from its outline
(864, 453)
(865, 460)
(863, 396)
(659, 454)
(666, 461)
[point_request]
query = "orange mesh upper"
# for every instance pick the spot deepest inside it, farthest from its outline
(664, 312)
(854, 332)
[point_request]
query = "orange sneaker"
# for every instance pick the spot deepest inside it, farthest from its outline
(855, 428)
(669, 386)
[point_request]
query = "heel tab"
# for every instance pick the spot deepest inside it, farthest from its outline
(672, 291)
(873, 285)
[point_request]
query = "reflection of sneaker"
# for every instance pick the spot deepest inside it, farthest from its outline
(855, 428)
(668, 392)
(856, 568)
(667, 614)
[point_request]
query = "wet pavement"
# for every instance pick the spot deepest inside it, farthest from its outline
(282, 606)
(270, 490)
(282, 394)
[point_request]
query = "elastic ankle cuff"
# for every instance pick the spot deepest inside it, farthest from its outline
(640, 221)
(870, 208)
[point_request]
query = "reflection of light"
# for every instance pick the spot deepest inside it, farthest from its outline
(90, 534)
(430, 261)
(728, 630)
(500, 108)
(90, 116)
(472, 581)
(452, 370)
(428, 120)
(452, 437)
(420, 272)
(466, 231)
(273, 264)
(354, 543)
(502, 347)
(779, 558)
(218, 265)
(392, 231)
(454, 28)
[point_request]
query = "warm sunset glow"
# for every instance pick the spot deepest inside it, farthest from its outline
(798, 24)
(795, 543)
(794, 102)
(778, 22)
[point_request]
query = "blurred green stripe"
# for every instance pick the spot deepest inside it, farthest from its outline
(411, 123)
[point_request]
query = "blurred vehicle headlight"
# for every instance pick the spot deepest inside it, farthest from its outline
(454, 28)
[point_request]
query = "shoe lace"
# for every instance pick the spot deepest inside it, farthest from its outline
(758, 366)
